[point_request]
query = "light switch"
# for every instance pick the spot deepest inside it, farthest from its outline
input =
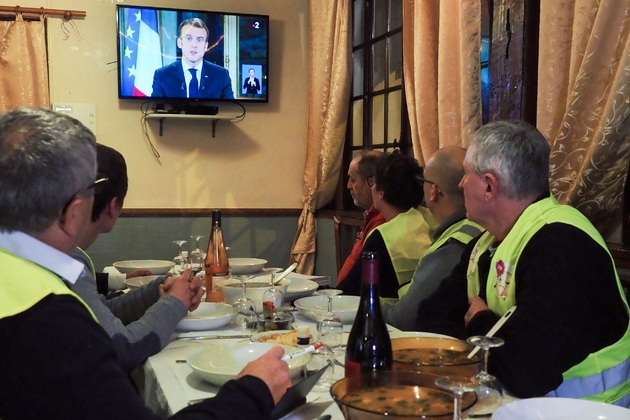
(86, 113)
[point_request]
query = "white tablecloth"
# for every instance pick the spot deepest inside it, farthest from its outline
(169, 385)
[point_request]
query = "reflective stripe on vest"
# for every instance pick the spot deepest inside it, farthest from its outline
(24, 284)
(602, 376)
(462, 231)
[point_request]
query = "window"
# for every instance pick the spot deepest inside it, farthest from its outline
(377, 115)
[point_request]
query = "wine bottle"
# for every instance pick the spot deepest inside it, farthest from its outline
(216, 264)
(369, 347)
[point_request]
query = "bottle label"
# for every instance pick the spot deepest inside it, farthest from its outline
(216, 278)
(352, 368)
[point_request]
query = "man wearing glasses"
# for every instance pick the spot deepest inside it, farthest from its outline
(445, 200)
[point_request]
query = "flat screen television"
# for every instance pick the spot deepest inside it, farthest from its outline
(218, 56)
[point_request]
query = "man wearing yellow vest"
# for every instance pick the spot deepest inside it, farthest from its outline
(445, 200)
(400, 242)
(56, 361)
(569, 336)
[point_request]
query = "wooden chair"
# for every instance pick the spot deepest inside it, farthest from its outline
(346, 230)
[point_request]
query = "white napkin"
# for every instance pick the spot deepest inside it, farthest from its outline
(115, 279)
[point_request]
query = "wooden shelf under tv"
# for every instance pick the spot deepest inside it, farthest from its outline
(215, 118)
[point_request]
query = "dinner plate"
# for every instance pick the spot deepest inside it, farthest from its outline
(550, 408)
(240, 266)
(208, 316)
(299, 288)
(260, 337)
(136, 282)
(217, 363)
(155, 266)
(345, 307)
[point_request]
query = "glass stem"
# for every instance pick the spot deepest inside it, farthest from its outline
(484, 359)
(330, 304)
(457, 402)
(244, 287)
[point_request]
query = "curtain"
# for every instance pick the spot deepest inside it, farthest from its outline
(584, 103)
(330, 70)
(23, 64)
(441, 42)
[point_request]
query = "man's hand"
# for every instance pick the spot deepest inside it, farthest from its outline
(139, 273)
(186, 288)
(273, 371)
(476, 305)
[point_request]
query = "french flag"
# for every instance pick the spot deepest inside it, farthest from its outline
(140, 49)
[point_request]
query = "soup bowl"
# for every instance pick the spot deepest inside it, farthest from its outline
(437, 355)
(232, 290)
(387, 395)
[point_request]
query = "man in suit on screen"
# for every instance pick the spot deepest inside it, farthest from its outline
(192, 76)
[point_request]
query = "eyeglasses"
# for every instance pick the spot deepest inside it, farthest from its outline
(89, 187)
(370, 180)
(421, 179)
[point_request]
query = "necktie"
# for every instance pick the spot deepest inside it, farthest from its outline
(193, 87)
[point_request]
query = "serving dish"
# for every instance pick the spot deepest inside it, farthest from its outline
(550, 408)
(299, 288)
(313, 307)
(208, 316)
(285, 337)
(240, 266)
(136, 282)
(154, 266)
(217, 363)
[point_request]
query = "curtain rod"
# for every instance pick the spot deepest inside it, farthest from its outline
(67, 14)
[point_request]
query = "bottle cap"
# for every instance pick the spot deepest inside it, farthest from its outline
(303, 331)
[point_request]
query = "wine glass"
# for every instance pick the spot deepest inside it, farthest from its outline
(489, 393)
(329, 326)
(273, 295)
(318, 359)
(458, 385)
(179, 259)
(243, 312)
(196, 256)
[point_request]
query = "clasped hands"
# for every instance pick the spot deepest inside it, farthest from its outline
(477, 305)
(186, 288)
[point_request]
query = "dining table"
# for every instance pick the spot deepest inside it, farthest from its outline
(168, 383)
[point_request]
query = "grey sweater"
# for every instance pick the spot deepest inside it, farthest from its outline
(140, 323)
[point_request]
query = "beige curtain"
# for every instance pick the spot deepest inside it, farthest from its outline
(584, 103)
(23, 64)
(441, 41)
(330, 70)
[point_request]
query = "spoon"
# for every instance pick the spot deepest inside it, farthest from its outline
(285, 273)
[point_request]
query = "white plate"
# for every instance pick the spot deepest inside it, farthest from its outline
(208, 316)
(241, 266)
(217, 363)
(136, 282)
(155, 266)
(257, 337)
(345, 307)
(299, 288)
(550, 408)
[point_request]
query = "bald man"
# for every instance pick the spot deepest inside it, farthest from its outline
(442, 174)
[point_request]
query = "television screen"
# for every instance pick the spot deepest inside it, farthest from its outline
(189, 55)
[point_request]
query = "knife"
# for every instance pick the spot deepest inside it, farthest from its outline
(212, 337)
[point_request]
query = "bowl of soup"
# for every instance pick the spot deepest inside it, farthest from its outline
(437, 355)
(232, 289)
(386, 395)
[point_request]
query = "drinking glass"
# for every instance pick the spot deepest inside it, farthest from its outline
(243, 308)
(489, 392)
(319, 358)
(458, 385)
(329, 326)
(197, 256)
(179, 259)
(273, 295)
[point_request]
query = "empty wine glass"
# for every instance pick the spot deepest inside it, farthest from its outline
(489, 392)
(179, 258)
(243, 308)
(329, 326)
(197, 256)
(458, 385)
(318, 359)
(273, 295)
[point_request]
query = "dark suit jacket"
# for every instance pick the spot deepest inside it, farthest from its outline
(169, 82)
(251, 89)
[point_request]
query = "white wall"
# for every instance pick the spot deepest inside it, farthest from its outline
(255, 163)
